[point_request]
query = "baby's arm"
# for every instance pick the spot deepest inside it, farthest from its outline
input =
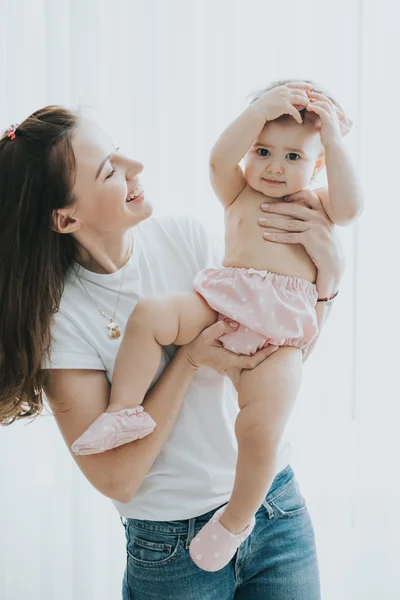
(226, 175)
(345, 201)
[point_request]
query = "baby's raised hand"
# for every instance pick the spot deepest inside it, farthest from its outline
(285, 99)
(328, 114)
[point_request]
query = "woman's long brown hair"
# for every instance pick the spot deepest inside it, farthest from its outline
(36, 176)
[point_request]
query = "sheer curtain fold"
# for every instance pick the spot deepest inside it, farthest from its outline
(164, 77)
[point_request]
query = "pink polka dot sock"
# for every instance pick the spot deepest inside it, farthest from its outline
(112, 429)
(214, 546)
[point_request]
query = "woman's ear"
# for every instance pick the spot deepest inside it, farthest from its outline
(62, 222)
(320, 163)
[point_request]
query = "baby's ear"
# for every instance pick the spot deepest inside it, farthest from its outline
(320, 163)
(345, 123)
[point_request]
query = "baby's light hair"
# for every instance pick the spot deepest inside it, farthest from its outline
(306, 115)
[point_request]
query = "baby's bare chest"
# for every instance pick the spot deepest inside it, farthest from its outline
(246, 247)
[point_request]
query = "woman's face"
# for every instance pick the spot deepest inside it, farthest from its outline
(107, 189)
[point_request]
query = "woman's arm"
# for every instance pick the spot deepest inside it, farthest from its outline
(309, 225)
(331, 286)
(78, 396)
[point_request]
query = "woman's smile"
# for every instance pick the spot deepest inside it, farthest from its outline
(137, 194)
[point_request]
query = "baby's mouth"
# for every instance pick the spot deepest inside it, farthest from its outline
(273, 181)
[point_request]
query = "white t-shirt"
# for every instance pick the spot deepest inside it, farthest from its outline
(195, 469)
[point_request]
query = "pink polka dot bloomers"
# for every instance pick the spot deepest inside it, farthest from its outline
(270, 308)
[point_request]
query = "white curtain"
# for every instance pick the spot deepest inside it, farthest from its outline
(164, 77)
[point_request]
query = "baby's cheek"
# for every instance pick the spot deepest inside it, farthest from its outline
(305, 173)
(252, 174)
(300, 179)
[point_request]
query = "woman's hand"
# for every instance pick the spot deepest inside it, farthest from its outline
(306, 222)
(206, 350)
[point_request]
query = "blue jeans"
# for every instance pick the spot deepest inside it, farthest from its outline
(278, 560)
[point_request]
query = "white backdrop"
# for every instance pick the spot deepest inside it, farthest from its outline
(164, 78)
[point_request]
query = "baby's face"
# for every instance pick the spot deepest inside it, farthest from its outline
(284, 158)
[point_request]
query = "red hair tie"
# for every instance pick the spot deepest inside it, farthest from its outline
(11, 131)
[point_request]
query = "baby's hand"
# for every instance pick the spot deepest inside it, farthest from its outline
(306, 197)
(284, 100)
(325, 109)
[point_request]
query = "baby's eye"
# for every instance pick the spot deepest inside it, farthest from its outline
(292, 156)
(263, 152)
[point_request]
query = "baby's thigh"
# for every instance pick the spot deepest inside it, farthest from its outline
(279, 369)
(175, 318)
(274, 383)
(194, 315)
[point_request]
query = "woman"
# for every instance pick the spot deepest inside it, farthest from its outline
(78, 252)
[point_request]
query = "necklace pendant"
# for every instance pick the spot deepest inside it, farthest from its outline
(113, 330)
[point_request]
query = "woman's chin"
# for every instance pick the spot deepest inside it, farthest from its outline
(145, 212)
(140, 210)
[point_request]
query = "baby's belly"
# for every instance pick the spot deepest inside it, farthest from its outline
(246, 247)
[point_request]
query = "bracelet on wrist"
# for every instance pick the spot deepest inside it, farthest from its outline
(328, 301)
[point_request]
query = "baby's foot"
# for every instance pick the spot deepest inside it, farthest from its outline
(113, 429)
(214, 546)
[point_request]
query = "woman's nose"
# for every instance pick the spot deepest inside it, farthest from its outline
(134, 168)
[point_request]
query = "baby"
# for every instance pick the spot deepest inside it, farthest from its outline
(288, 133)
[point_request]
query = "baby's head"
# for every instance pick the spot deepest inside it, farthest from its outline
(287, 155)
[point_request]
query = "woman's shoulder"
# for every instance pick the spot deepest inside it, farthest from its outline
(184, 225)
(185, 233)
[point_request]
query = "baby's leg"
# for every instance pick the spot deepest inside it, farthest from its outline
(155, 322)
(159, 321)
(266, 398)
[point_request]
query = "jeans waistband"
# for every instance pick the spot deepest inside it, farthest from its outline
(189, 527)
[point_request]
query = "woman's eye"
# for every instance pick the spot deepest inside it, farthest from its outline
(292, 156)
(263, 152)
(113, 171)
